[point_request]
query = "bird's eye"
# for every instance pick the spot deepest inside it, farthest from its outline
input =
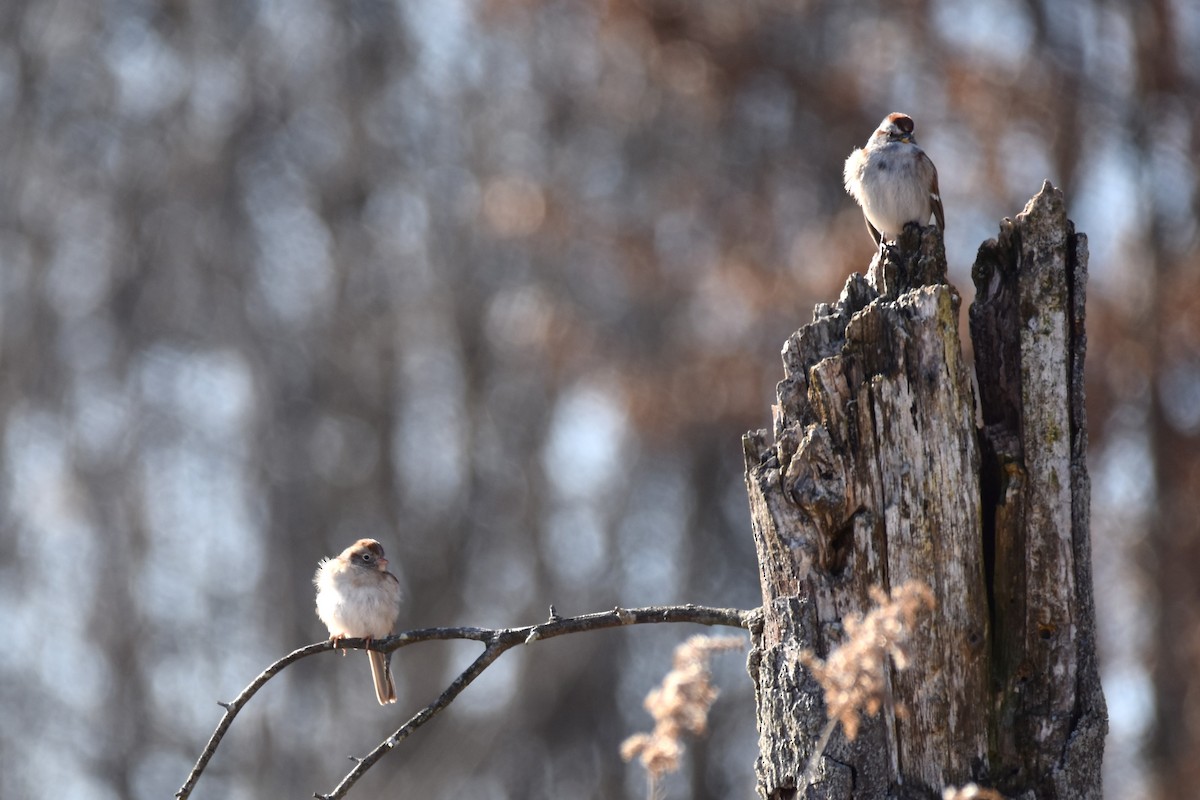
(366, 556)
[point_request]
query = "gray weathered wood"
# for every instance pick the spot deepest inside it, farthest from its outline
(872, 476)
(871, 481)
(1027, 325)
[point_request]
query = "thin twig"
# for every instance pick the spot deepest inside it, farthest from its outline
(489, 655)
(814, 760)
(233, 707)
(496, 642)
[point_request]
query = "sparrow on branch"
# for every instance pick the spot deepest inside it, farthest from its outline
(357, 598)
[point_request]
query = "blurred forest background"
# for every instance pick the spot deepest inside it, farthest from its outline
(502, 284)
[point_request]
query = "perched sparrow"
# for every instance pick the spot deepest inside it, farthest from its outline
(893, 180)
(357, 598)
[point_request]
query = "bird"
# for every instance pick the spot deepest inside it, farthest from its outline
(357, 598)
(893, 180)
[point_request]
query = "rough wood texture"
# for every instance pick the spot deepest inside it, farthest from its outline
(871, 481)
(1027, 324)
(873, 477)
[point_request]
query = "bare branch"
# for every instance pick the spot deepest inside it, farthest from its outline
(489, 655)
(496, 642)
(232, 708)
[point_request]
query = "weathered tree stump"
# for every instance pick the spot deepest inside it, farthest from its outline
(876, 476)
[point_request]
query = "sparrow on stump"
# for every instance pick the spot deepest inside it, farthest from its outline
(893, 180)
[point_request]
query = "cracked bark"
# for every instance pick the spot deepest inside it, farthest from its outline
(876, 473)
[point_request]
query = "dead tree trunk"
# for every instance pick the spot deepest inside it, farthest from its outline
(878, 474)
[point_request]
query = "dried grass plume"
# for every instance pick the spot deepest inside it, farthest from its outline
(679, 705)
(855, 676)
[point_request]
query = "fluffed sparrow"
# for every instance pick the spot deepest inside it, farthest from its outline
(357, 598)
(893, 180)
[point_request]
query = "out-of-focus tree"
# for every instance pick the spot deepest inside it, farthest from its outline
(1163, 317)
(501, 284)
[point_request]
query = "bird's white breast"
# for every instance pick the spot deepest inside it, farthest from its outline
(354, 604)
(893, 186)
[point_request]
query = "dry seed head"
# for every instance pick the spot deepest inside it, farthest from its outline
(680, 704)
(854, 675)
